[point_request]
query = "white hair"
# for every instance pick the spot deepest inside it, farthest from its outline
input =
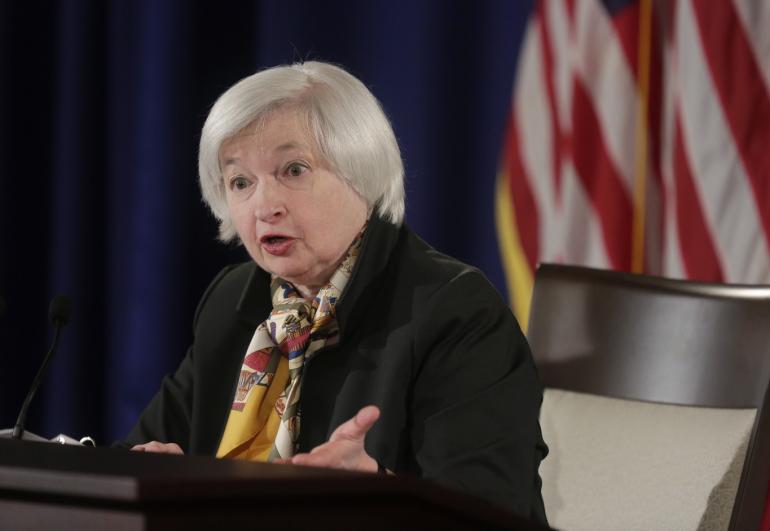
(350, 128)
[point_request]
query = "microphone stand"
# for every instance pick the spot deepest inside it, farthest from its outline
(59, 313)
(18, 429)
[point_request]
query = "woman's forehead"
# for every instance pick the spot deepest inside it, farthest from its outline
(276, 133)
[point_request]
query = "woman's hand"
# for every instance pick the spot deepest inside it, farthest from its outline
(345, 448)
(159, 448)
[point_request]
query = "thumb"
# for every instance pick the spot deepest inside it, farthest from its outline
(357, 427)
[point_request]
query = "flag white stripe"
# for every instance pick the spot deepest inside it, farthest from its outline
(562, 51)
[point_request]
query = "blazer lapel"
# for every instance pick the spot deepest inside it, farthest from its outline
(218, 380)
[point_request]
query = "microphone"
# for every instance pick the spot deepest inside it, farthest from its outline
(59, 313)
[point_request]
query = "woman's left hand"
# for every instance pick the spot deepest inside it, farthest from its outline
(345, 448)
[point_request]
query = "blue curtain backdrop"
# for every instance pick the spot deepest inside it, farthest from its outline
(101, 104)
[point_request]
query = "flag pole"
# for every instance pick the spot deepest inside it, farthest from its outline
(642, 135)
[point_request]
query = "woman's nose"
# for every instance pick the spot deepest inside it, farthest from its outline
(269, 203)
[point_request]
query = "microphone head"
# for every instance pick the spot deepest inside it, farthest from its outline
(60, 309)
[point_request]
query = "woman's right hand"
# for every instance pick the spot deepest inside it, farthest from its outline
(159, 448)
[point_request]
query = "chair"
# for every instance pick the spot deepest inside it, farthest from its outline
(656, 408)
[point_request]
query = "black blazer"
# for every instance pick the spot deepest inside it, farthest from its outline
(423, 336)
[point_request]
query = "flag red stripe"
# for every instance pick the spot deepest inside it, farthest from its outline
(548, 67)
(668, 11)
(525, 209)
(655, 103)
(742, 92)
(601, 179)
(697, 247)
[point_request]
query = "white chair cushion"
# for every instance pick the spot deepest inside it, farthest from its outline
(622, 464)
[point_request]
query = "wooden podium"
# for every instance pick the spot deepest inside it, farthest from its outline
(52, 486)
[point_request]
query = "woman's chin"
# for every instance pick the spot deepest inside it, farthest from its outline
(287, 271)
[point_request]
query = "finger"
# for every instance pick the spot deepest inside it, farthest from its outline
(298, 459)
(366, 418)
(146, 447)
(319, 460)
(174, 448)
(344, 454)
(357, 427)
(159, 448)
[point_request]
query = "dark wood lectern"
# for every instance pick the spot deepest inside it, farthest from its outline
(51, 486)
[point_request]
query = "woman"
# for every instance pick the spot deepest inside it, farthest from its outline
(348, 342)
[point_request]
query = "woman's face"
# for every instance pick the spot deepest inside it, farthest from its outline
(295, 216)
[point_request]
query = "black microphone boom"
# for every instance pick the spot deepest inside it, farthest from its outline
(59, 313)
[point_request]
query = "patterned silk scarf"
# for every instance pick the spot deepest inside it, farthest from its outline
(264, 420)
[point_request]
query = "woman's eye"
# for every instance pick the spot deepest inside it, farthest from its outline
(295, 169)
(238, 183)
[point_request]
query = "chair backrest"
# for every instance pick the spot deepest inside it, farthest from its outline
(657, 406)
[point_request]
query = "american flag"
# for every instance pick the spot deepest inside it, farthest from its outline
(638, 139)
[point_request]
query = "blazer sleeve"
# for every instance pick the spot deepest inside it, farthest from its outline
(167, 418)
(477, 398)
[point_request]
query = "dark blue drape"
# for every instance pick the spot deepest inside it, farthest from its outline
(101, 104)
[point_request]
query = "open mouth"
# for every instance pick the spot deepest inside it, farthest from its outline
(276, 244)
